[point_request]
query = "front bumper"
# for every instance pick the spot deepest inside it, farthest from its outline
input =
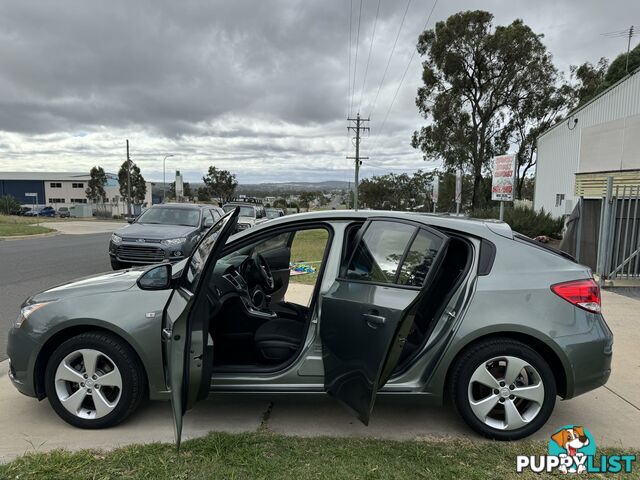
(22, 351)
(147, 253)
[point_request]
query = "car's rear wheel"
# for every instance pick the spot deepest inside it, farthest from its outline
(94, 380)
(503, 389)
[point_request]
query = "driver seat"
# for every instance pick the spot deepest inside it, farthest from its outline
(278, 339)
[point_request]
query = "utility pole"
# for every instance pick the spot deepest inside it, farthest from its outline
(128, 182)
(357, 126)
(626, 67)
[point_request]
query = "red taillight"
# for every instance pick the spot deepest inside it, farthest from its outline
(581, 293)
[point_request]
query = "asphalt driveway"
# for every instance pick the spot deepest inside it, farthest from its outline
(611, 413)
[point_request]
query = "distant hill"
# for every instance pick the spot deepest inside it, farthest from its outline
(290, 187)
(275, 188)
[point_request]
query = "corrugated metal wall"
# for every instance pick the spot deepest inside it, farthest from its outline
(559, 148)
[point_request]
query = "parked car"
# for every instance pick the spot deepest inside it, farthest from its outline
(274, 213)
(416, 304)
(252, 213)
(20, 211)
(63, 212)
(166, 232)
(41, 212)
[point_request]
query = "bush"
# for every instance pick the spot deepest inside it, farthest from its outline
(526, 220)
(9, 205)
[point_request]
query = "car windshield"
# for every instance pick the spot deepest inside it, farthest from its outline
(272, 214)
(244, 211)
(189, 217)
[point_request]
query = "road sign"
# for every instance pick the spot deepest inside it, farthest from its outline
(30, 194)
(503, 182)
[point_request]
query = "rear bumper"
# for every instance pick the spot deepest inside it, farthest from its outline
(589, 356)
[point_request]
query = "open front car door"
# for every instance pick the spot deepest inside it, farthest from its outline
(188, 347)
(368, 312)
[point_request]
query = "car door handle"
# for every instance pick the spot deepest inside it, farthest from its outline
(373, 320)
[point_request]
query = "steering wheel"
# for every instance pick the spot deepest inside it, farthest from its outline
(264, 271)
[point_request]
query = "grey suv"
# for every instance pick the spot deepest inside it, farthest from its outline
(161, 233)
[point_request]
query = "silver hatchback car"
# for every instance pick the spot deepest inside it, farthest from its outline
(355, 304)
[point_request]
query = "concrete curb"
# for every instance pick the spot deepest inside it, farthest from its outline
(24, 237)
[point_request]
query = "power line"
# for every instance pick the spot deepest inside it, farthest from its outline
(350, 43)
(366, 70)
(384, 75)
(404, 74)
(355, 61)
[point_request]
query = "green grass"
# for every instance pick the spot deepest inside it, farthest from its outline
(308, 246)
(11, 226)
(268, 456)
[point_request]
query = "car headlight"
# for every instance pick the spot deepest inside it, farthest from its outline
(116, 239)
(173, 241)
(26, 312)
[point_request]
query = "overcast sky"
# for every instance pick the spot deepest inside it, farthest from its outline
(260, 88)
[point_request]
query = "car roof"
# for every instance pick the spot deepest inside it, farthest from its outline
(473, 226)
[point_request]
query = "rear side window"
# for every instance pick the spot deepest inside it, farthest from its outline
(380, 251)
(419, 258)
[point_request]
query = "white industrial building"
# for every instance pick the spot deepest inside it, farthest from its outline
(599, 139)
(64, 189)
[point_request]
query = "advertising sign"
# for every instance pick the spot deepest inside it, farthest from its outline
(503, 178)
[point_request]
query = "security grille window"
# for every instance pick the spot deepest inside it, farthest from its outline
(559, 199)
(56, 200)
(77, 185)
(55, 185)
(379, 253)
(78, 200)
(419, 259)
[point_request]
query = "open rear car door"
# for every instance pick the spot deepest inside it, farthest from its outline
(188, 347)
(368, 312)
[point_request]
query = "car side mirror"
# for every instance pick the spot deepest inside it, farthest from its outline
(131, 220)
(156, 278)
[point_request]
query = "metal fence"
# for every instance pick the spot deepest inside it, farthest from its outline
(619, 235)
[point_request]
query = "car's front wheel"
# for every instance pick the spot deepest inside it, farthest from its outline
(94, 380)
(503, 389)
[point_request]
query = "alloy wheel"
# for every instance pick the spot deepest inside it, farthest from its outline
(506, 393)
(88, 383)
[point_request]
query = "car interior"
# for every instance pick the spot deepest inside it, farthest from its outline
(261, 323)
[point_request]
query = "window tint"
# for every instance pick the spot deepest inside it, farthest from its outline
(279, 241)
(380, 251)
(419, 259)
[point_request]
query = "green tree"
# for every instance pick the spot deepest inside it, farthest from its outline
(186, 190)
(473, 74)
(397, 191)
(95, 187)
(588, 79)
(280, 203)
(591, 80)
(138, 184)
(203, 194)
(618, 68)
(220, 183)
(8, 205)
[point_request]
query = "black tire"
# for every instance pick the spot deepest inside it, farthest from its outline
(482, 352)
(131, 371)
(116, 265)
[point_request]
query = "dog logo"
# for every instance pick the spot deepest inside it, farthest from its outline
(572, 444)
